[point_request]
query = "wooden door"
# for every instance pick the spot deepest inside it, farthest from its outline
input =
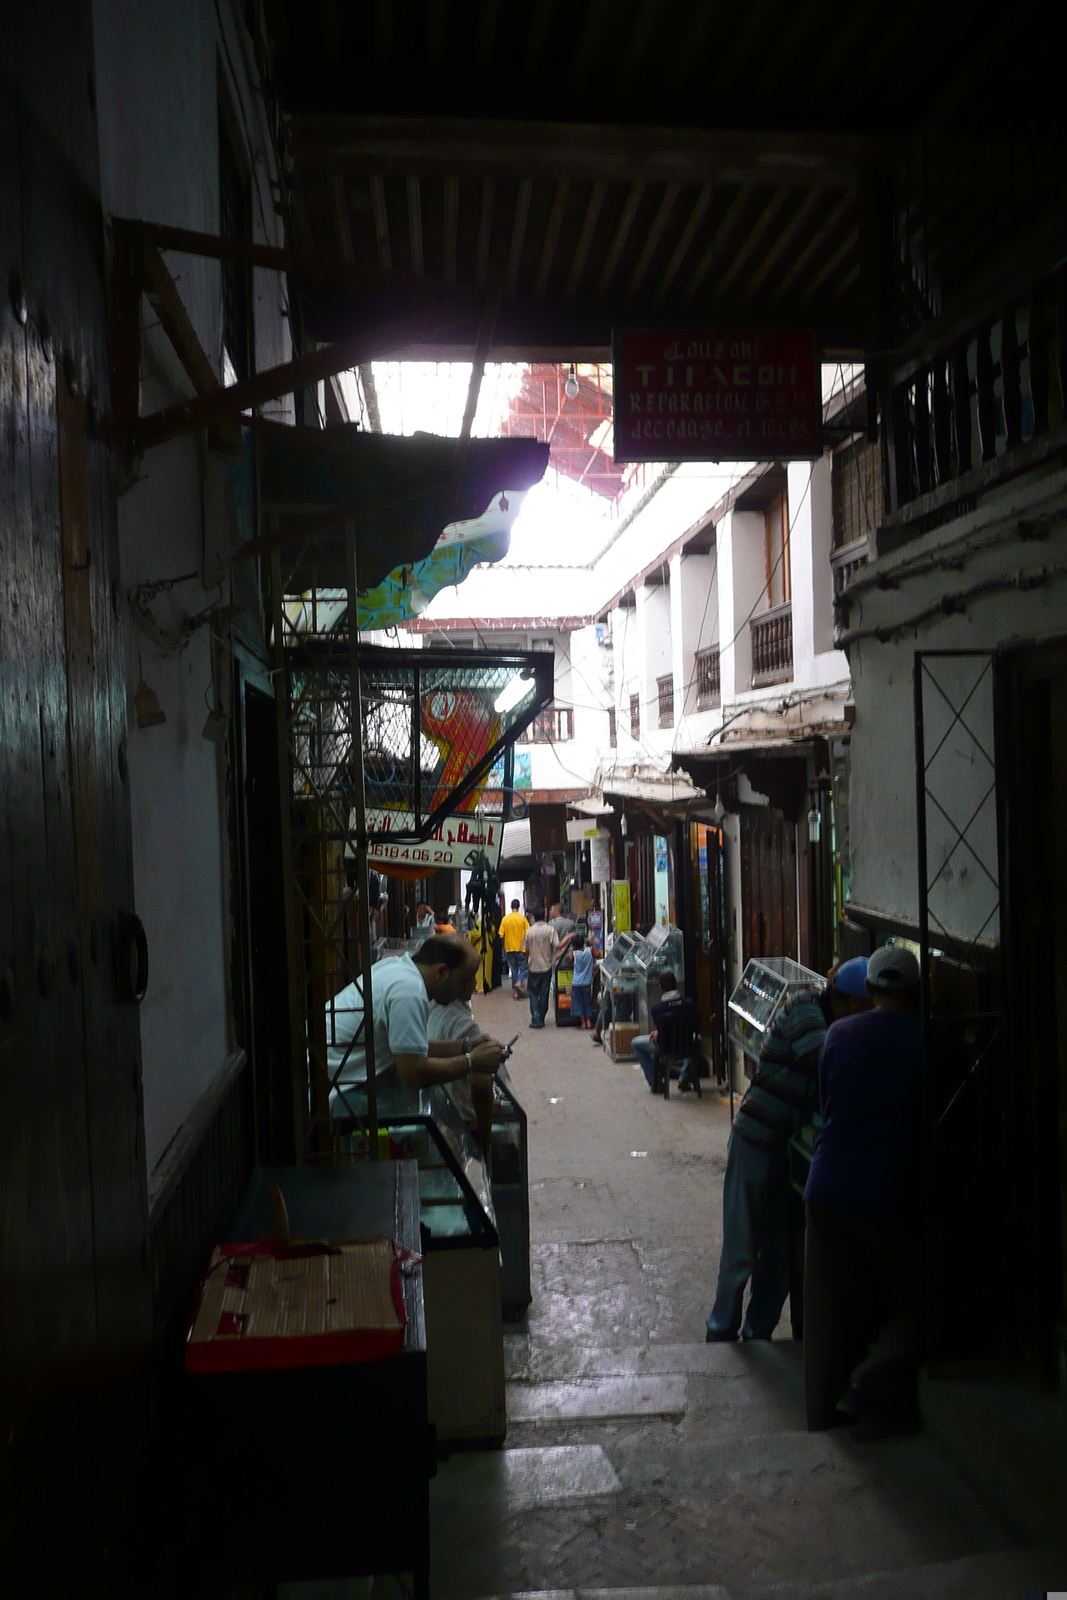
(768, 884)
(75, 1317)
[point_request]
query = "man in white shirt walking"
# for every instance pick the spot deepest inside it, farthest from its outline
(402, 989)
(542, 942)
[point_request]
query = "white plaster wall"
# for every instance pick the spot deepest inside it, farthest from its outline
(815, 661)
(882, 793)
(158, 94)
(654, 661)
(742, 544)
(694, 626)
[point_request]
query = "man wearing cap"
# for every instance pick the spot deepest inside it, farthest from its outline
(863, 1249)
(755, 1197)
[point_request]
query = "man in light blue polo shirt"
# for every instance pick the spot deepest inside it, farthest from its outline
(402, 988)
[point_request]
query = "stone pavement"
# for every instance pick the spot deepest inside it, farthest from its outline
(638, 1458)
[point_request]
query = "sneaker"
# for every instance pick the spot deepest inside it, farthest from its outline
(719, 1336)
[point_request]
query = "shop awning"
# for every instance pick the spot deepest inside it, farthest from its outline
(401, 493)
(671, 790)
(591, 806)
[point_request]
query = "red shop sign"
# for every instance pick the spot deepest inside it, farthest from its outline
(706, 395)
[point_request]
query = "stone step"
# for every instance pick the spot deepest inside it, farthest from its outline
(1005, 1575)
(598, 1399)
(530, 1361)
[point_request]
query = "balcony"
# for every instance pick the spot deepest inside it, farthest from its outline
(709, 684)
(772, 646)
(554, 725)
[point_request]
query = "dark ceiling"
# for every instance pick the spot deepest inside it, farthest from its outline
(542, 174)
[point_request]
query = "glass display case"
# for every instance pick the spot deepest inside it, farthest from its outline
(766, 984)
(511, 1196)
(660, 951)
(455, 1194)
(461, 1265)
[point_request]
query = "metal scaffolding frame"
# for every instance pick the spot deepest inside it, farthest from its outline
(377, 745)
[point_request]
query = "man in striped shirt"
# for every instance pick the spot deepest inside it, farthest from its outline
(755, 1199)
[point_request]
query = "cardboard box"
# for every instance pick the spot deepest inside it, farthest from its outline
(621, 1036)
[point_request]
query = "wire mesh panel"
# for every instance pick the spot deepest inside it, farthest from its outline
(964, 1025)
(434, 724)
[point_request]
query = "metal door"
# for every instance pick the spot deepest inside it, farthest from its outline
(958, 838)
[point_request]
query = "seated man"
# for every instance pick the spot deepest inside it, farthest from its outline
(402, 988)
(863, 1245)
(755, 1193)
(453, 1021)
(513, 930)
(671, 1012)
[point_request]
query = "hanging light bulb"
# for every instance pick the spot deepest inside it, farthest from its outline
(570, 388)
(718, 810)
(814, 823)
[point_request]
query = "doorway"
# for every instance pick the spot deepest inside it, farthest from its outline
(1033, 731)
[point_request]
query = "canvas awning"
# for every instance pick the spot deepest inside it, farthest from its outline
(401, 494)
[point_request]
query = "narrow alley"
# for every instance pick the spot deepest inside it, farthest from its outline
(637, 1456)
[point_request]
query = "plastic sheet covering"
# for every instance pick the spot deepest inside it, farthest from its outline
(401, 494)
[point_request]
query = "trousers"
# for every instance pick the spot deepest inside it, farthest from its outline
(862, 1312)
(538, 985)
(517, 967)
(755, 1241)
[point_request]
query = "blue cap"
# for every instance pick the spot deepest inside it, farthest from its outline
(851, 979)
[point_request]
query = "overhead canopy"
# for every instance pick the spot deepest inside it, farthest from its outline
(401, 494)
(777, 164)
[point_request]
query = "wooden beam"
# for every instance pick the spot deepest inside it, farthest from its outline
(436, 25)
(744, 252)
(622, 233)
(451, 227)
(518, 235)
(814, 244)
(169, 308)
(370, 394)
(383, 33)
(849, 245)
(718, 239)
(184, 241)
(487, 19)
(340, 217)
(548, 249)
(381, 221)
(783, 243)
(681, 249)
(590, 43)
(583, 152)
(535, 37)
(652, 238)
(485, 233)
(635, 53)
(585, 239)
(224, 405)
(415, 223)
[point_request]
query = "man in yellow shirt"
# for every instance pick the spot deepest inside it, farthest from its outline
(513, 931)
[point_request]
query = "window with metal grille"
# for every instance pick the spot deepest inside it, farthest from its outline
(612, 732)
(665, 701)
(235, 222)
(635, 716)
(709, 692)
(554, 725)
(857, 492)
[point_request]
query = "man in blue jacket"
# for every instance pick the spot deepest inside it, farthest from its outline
(863, 1198)
(755, 1196)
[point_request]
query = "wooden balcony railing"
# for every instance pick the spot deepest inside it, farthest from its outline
(772, 646)
(709, 687)
(969, 406)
